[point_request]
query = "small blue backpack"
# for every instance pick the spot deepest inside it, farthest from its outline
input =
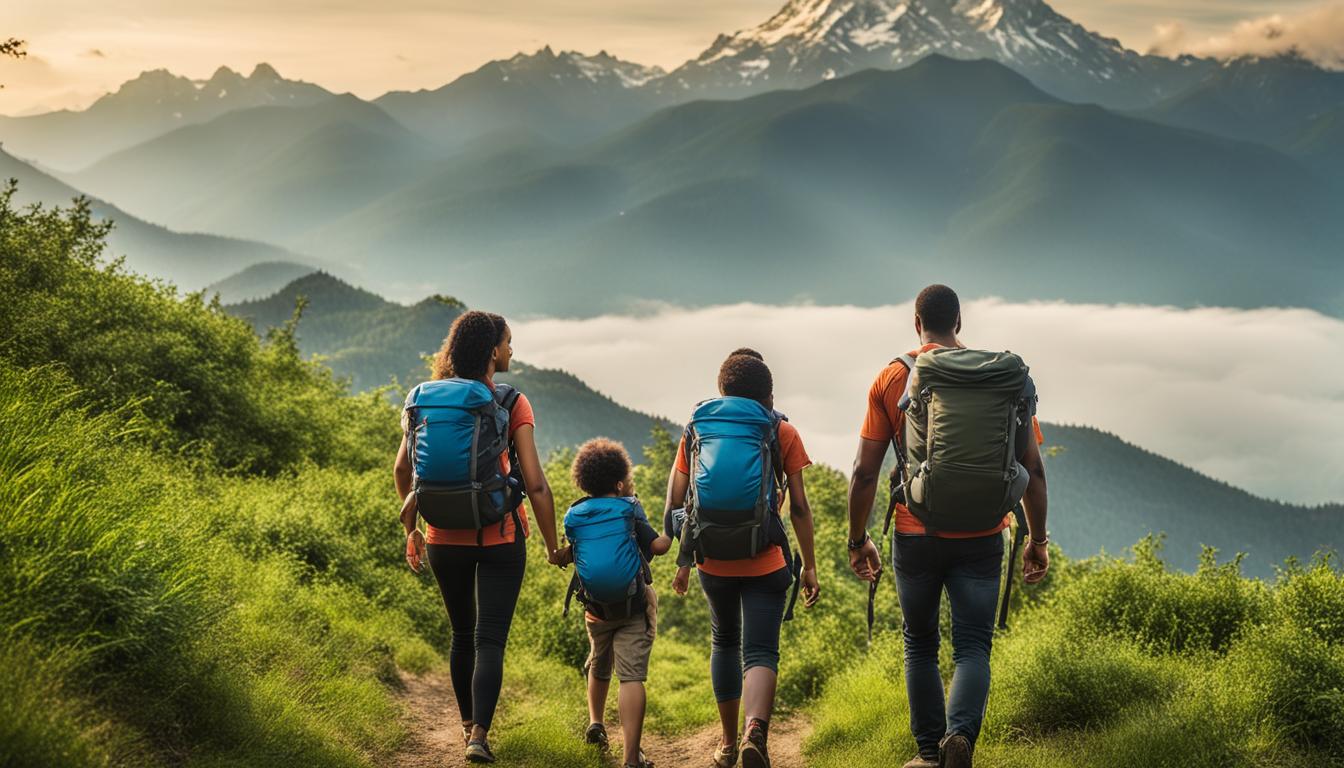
(732, 450)
(609, 572)
(457, 429)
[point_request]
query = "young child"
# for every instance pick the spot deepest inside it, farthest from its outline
(602, 470)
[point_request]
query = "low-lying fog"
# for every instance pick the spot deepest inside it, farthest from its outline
(1252, 397)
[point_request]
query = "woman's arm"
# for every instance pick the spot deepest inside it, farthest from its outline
(800, 514)
(401, 471)
(538, 490)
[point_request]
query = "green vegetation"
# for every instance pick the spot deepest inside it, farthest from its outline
(200, 564)
(1123, 663)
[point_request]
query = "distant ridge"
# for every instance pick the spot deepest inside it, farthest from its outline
(149, 105)
(257, 281)
(188, 260)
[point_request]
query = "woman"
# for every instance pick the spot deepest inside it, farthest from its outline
(747, 596)
(480, 572)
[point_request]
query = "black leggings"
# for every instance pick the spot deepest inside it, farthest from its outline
(745, 615)
(491, 578)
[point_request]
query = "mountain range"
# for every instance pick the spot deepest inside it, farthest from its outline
(902, 141)
(150, 105)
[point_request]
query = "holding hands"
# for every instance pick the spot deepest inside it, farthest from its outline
(562, 556)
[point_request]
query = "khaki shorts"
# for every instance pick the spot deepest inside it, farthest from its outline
(624, 644)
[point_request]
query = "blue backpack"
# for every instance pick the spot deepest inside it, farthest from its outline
(609, 572)
(732, 450)
(457, 429)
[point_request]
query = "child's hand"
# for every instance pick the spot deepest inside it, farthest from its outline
(562, 556)
(415, 550)
(682, 581)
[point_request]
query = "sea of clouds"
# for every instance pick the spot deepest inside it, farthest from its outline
(1251, 397)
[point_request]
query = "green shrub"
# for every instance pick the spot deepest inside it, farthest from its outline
(1295, 681)
(1313, 599)
(202, 378)
(1161, 610)
(1045, 681)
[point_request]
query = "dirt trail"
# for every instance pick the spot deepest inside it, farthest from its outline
(435, 739)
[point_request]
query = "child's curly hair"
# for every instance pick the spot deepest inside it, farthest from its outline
(743, 375)
(466, 351)
(600, 466)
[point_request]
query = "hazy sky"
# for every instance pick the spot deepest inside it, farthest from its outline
(1203, 386)
(82, 48)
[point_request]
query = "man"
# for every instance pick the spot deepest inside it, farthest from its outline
(966, 563)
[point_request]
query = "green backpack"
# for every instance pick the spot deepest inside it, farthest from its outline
(963, 408)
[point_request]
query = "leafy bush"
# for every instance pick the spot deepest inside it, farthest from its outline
(202, 378)
(1163, 611)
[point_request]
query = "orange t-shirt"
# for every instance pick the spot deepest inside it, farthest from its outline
(771, 559)
(490, 535)
(886, 419)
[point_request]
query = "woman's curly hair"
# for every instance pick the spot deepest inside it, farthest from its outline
(466, 351)
(743, 375)
(600, 466)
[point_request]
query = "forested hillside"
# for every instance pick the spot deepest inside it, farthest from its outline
(361, 335)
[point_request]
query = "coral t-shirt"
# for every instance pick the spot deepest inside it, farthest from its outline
(490, 535)
(770, 559)
(886, 419)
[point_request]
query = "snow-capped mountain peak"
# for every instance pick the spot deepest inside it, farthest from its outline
(811, 40)
(602, 69)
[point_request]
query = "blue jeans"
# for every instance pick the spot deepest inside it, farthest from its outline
(969, 570)
(745, 616)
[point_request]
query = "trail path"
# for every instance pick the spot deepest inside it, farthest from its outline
(435, 739)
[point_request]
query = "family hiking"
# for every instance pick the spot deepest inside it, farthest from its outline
(962, 424)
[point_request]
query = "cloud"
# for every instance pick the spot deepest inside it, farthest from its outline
(1252, 397)
(1316, 33)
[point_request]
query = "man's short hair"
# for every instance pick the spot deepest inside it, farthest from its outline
(938, 309)
(600, 466)
(746, 376)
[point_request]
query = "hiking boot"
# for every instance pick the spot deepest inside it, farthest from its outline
(754, 754)
(597, 736)
(954, 751)
(725, 756)
(467, 725)
(644, 762)
(922, 761)
(478, 751)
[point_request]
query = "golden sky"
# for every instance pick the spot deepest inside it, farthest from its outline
(80, 49)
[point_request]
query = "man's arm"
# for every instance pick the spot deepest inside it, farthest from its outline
(1036, 557)
(864, 561)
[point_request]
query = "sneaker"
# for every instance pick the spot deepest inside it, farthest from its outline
(644, 762)
(922, 761)
(478, 751)
(754, 754)
(725, 756)
(954, 752)
(597, 736)
(467, 726)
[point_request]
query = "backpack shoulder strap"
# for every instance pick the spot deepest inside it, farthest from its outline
(506, 396)
(909, 362)
(776, 449)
